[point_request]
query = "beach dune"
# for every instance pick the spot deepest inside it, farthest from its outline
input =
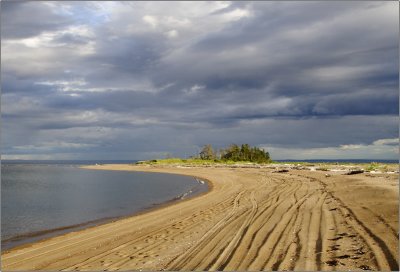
(252, 219)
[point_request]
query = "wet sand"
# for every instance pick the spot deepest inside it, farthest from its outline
(252, 219)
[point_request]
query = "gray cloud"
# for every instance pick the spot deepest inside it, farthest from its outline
(135, 79)
(23, 19)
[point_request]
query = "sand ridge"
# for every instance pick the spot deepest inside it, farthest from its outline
(253, 219)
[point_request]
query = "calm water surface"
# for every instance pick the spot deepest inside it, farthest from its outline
(42, 197)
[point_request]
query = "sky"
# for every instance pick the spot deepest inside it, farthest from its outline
(145, 80)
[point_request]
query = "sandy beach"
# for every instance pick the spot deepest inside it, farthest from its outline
(252, 219)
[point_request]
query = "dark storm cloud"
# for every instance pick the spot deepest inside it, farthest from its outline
(133, 54)
(71, 39)
(24, 19)
(96, 78)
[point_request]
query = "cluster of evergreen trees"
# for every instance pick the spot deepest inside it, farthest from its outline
(236, 153)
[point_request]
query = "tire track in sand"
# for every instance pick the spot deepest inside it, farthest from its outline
(208, 235)
(385, 259)
(224, 256)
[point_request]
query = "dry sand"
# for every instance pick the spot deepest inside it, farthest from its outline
(253, 219)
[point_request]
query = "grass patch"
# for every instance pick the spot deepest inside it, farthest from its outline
(193, 162)
(372, 167)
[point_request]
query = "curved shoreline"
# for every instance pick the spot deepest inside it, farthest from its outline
(26, 239)
(252, 219)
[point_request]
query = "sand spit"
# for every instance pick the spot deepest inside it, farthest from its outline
(253, 219)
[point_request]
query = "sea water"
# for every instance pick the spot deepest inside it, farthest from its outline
(37, 198)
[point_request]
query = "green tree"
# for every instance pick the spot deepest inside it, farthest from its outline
(232, 153)
(207, 153)
(245, 153)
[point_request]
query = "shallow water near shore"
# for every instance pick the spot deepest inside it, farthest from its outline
(38, 201)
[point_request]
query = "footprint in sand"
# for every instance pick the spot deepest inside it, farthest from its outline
(343, 256)
(332, 262)
(336, 238)
(334, 247)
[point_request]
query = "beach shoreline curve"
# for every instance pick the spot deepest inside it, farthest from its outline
(251, 219)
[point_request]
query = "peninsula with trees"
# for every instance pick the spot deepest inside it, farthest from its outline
(234, 153)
